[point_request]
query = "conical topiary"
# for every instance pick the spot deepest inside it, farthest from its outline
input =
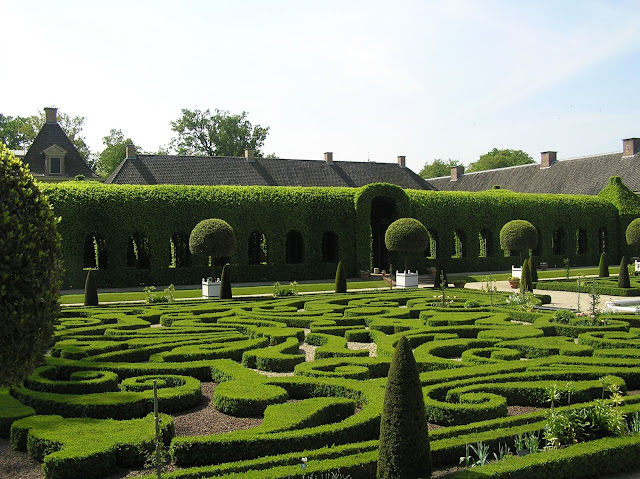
(341, 279)
(526, 275)
(90, 290)
(623, 274)
(404, 450)
(534, 271)
(523, 277)
(603, 267)
(225, 283)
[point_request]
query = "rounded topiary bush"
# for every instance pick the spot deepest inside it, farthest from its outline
(406, 235)
(212, 238)
(30, 270)
(633, 233)
(518, 235)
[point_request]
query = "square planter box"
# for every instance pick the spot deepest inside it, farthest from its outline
(407, 280)
(210, 289)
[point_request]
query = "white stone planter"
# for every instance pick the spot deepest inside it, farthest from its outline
(210, 289)
(406, 280)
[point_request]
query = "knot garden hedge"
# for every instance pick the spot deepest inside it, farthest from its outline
(87, 411)
(135, 235)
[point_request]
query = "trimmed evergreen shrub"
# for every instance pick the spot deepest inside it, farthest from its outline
(90, 290)
(406, 235)
(518, 235)
(633, 233)
(30, 270)
(526, 275)
(225, 283)
(341, 279)
(404, 438)
(534, 271)
(603, 267)
(213, 238)
(623, 274)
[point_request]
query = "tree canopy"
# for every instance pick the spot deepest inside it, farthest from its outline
(219, 134)
(500, 159)
(633, 233)
(405, 235)
(212, 237)
(438, 168)
(114, 152)
(518, 235)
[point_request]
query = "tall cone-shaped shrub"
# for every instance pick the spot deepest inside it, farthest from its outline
(341, 279)
(603, 267)
(534, 271)
(404, 450)
(225, 283)
(523, 278)
(526, 275)
(623, 274)
(90, 290)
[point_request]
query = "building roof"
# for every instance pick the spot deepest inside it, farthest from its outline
(49, 135)
(583, 176)
(214, 170)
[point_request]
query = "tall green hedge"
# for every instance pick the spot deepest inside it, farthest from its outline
(107, 216)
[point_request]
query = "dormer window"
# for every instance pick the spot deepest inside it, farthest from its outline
(54, 160)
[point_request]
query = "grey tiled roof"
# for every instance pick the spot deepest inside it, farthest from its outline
(52, 134)
(207, 170)
(584, 176)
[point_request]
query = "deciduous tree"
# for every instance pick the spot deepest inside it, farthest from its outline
(500, 159)
(114, 152)
(438, 168)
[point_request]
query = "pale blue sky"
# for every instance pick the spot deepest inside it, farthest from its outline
(364, 79)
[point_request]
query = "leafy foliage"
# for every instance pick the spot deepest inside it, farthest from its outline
(437, 168)
(221, 134)
(341, 279)
(623, 274)
(113, 153)
(404, 438)
(90, 290)
(518, 235)
(405, 235)
(30, 270)
(500, 159)
(214, 238)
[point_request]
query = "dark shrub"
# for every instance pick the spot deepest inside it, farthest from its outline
(603, 267)
(526, 275)
(404, 450)
(90, 290)
(623, 274)
(534, 271)
(30, 270)
(225, 283)
(341, 279)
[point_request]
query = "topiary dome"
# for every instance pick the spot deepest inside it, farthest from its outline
(518, 235)
(633, 233)
(213, 238)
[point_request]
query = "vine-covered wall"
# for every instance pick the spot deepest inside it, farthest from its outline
(132, 229)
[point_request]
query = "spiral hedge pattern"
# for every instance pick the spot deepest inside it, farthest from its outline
(476, 365)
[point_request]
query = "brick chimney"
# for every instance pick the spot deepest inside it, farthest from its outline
(328, 157)
(248, 154)
(402, 161)
(548, 158)
(130, 152)
(457, 172)
(51, 115)
(630, 146)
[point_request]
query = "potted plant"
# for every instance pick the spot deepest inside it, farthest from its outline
(543, 266)
(406, 235)
(459, 283)
(514, 282)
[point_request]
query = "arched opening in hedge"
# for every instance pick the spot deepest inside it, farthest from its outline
(581, 241)
(95, 252)
(602, 240)
(459, 244)
(558, 242)
(257, 248)
(383, 213)
(180, 254)
(295, 247)
(432, 248)
(485, 240)
(537, 251)
(138, 252)
(329, 247)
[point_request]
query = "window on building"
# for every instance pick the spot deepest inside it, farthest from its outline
(55, 166)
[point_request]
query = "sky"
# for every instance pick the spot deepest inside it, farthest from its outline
(367, 80)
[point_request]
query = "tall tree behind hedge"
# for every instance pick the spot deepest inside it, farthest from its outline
(341, 279)
(623, 274)
(90, 290)
(404, 450)
(30, 271)
(534, 271)
(603, 267)
(225, 283)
